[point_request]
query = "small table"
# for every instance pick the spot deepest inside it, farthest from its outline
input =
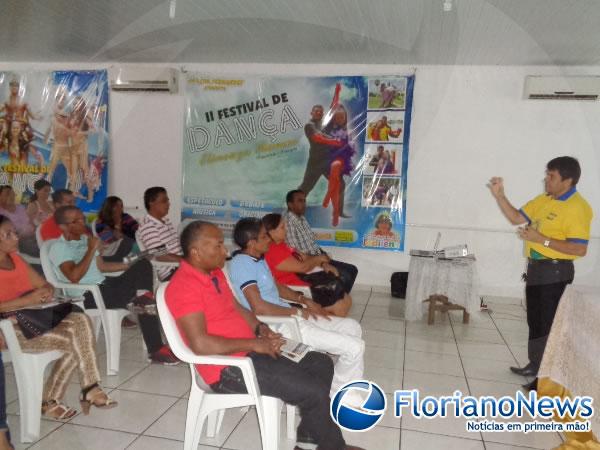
(572, 354)
(432, 278)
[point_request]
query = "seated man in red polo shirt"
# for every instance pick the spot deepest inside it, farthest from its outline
(213, 323)
(49, 229)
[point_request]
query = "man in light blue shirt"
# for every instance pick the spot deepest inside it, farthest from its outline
(254, 272)
(75, 259)
(257, 290)
(74, 250)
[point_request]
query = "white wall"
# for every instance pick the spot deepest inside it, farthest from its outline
(469, 123)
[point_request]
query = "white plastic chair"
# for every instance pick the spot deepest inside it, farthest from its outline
(110, 319)
(30, 259)
(203, 403)
(29, 373)
(38, 236)
(293, 330)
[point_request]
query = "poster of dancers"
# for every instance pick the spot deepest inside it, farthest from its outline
(54, 127)
(248, 141)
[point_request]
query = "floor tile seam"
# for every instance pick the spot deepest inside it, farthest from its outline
(158, 418)
(505, 342)
(132, 433)
(462, 365)
(132, 376)
(165, 438)
(176, 397)
(237, 425)
(29, 445)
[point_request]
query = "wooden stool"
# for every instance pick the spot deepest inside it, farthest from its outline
(441, 303)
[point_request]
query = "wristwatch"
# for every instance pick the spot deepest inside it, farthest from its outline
(547, 243)
(257, 329)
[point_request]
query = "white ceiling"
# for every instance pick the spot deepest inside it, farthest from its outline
(474, 32)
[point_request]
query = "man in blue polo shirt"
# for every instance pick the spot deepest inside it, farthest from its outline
(557, 231)
(258, 291)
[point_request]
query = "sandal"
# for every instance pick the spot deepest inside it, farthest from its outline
(54, 409)
(99, 399)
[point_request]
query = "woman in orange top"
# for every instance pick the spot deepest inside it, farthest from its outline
(20, 287)
(289, 266)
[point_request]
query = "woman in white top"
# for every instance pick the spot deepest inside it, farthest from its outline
(40, 207)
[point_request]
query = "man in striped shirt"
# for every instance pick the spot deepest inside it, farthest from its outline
(156, 229)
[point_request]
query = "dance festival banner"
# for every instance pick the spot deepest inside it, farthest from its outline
(343, 140)
(54, 126)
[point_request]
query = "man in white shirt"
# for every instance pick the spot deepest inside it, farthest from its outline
(156, 229)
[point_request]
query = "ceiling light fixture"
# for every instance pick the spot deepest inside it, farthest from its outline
(172, 6)
(447, 5)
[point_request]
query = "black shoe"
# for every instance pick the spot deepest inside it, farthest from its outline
(345, 216)
(531, 386)
(527, 371)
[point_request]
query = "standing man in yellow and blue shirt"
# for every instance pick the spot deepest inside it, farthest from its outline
(557, 231)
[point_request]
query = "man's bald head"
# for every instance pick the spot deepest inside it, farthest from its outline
(203, 246)
(195, 231)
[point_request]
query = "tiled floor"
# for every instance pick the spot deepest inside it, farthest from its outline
(436, 359)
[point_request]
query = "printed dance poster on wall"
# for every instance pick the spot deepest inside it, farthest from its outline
(54, 126)
(343, 140)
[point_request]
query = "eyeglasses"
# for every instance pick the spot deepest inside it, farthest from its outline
(9, 235)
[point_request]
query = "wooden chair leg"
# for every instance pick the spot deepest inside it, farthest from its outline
(431, 316)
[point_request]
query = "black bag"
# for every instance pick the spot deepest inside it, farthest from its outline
(230, 382)
(399, 281)
(35, 322)
(325, 287)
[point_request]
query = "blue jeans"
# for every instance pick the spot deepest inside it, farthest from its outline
(3, 423)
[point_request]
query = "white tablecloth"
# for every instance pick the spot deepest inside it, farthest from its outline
(572, 354)
(455, 278)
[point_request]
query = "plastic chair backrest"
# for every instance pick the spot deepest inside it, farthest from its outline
(178, 347)
(46, 263)
(38, 236)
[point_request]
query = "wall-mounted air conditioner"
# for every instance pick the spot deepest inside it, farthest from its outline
(562, 88)
(144, 79)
